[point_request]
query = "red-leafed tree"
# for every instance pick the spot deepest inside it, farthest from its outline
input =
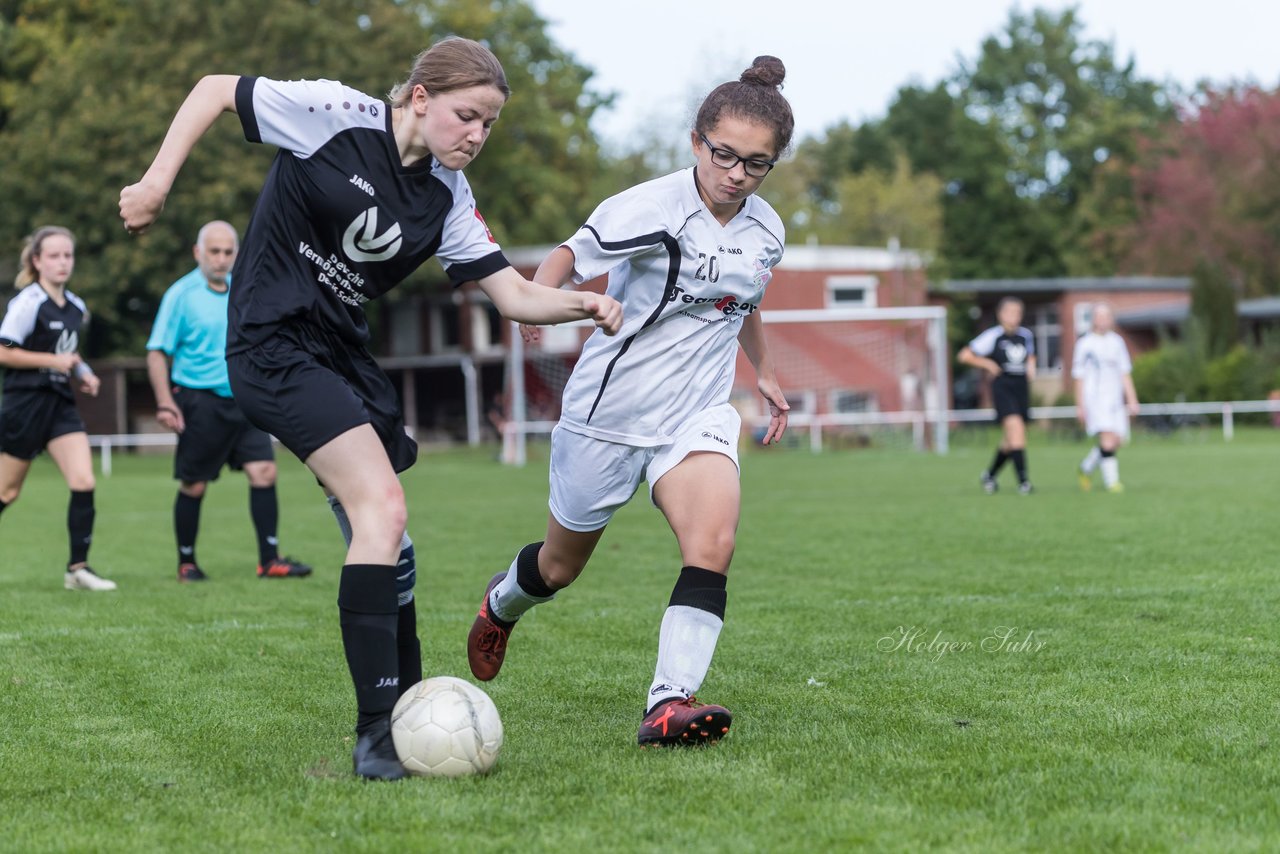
(1207, 190)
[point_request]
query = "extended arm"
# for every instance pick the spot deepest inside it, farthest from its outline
(16, 357)
(753, 343)
(524, 301)
(142, 202)
(1031, 369)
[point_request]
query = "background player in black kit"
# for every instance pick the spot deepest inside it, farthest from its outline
(1008, 353)
(38, 340)
(361, 193)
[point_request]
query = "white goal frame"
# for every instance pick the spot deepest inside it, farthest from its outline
(934, 415)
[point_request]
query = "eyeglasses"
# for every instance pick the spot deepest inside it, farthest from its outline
(726, 159)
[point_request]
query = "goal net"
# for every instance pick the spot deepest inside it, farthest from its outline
(852, 377)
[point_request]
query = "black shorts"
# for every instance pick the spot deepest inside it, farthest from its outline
(216, 434)
(31, 418)
(306, 387)
(1011, 397)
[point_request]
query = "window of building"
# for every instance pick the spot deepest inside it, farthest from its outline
(851, 291)
(1046, 325)
(850, 400)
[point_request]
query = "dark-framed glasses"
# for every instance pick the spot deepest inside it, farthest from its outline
(726, 159)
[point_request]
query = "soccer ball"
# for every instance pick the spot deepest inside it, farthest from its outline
(446, 727)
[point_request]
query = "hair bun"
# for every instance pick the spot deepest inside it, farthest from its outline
(765, 71)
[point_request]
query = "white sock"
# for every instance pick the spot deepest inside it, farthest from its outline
(1091, 460)
(406, 565)
(508, 601)
(1110, 471)
(685, 646)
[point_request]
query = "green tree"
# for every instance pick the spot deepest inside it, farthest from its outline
(1213, 305)
(84, 117)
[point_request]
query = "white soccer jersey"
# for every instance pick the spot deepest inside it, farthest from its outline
(685, 283)
(1101, 363)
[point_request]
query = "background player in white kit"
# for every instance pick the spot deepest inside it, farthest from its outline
(1105, 397)
(690, 255)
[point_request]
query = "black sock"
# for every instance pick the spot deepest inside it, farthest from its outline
(1020, 463)
(186, 525)
(368, 613)
(1001, 458)
(527, 574)
(407, 646)
(2, 506)
(700, 588)
(265, 511)
(1105, 453)
(80, 515)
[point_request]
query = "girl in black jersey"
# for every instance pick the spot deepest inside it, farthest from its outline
(361, 193)
(38, 340)
(1008, 353)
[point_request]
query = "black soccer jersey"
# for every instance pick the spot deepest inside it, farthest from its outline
(35, 322)
(340, 220)
(1009, 350)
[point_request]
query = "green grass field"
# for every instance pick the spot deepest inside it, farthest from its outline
(1133, 706)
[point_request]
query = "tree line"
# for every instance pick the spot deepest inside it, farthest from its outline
(1042, 154)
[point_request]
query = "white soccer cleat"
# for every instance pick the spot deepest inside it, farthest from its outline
(85, 578)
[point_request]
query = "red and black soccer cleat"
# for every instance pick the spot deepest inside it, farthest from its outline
(684, 722)
(190, 572)
(487, 640)
(283, 567)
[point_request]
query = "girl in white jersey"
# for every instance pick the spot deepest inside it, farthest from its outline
(39, 336)
(361, 192)
(1105, 397)
(689, 255)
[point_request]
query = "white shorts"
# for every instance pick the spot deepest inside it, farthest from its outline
(1108, 417)
(592, 479)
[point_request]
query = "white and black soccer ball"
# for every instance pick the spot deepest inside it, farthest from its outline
(446, 727)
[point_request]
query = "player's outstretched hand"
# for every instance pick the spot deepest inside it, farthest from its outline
(89, 384)
(530, 334)
(140, 205)
(778, 409)
(605, 311)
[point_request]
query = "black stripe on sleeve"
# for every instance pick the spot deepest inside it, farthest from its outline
(244, 108)
(470, 271)
(668, 293)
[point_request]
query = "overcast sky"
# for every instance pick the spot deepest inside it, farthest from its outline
(846, 58)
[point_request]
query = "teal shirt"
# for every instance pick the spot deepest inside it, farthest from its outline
(191, 328)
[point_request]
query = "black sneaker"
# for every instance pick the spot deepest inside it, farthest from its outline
(375, 755)
(283, 567)
(989, 484)
(686, 722)
(190, 572)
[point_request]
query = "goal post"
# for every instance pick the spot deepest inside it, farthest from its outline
(856, 373)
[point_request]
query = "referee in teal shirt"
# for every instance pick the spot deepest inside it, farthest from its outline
(186, 362)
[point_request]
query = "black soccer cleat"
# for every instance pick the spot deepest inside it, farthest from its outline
(989, 484)
(375, 755)
(283, 567)
(191, 572)
(683, 723)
